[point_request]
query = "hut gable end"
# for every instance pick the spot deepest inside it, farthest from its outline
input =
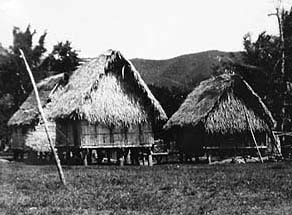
(28, 113)
(221, 104)
(107, 90)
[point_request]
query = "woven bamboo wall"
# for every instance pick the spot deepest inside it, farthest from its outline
(64, 133)
(19, 135)
(97, 136)
(37, 139)
(76, 133)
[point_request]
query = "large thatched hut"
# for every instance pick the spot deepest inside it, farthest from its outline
(221, 114)
(27, 131)
(105, 106)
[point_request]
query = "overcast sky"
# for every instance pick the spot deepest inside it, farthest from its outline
(154, 29)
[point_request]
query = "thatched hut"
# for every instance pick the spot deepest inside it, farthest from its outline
(221, 114)
(105, 106)
(26, 126)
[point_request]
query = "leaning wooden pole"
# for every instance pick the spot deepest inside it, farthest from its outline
(58, 163)
(253, 137)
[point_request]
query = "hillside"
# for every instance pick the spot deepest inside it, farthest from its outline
(183, 71)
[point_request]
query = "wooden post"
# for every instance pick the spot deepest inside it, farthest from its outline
(59, 167)
(150, 159)
(99, 156)
(132, 156)
(89, 158)
(120, 156)
(85, 156)
(253, 137)
(127, 156)
(209, 158)
(275, 143)
(122, 161)
(108, 155)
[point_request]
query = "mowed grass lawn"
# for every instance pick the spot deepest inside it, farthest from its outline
(162, 189)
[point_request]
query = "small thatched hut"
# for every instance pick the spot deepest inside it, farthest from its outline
(105, 106)
(25, 122)
(218, 114)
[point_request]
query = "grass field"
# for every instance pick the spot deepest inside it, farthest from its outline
(165, 189)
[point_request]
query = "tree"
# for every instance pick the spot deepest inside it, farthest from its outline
(268, 69)
(6, 109)
(13, 75)
(14, 81)
(63, 58)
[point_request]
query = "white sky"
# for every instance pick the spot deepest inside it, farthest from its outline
(154, 29)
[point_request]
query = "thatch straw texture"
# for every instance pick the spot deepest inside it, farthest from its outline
(220, 103)
(107, 90)
(37, 140)
(28, 113)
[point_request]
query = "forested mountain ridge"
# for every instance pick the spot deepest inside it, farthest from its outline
(184, 71)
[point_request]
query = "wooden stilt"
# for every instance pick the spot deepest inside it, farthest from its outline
(132, 156)
(94, 155)
(99, 156)
(150, 159)
(276, 142)
(120, 157)
(85, 155)
(121, 161)
(89, 157)
(127, 156)
(143, 158)
(209, 158)
(108, 154)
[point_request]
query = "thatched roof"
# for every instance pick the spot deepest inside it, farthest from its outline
(107, 90)
(37, 140)
(28, 112)
(220, 104)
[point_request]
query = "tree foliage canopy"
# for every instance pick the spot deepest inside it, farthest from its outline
(262, 69)
(15, 84)
(63, 58)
